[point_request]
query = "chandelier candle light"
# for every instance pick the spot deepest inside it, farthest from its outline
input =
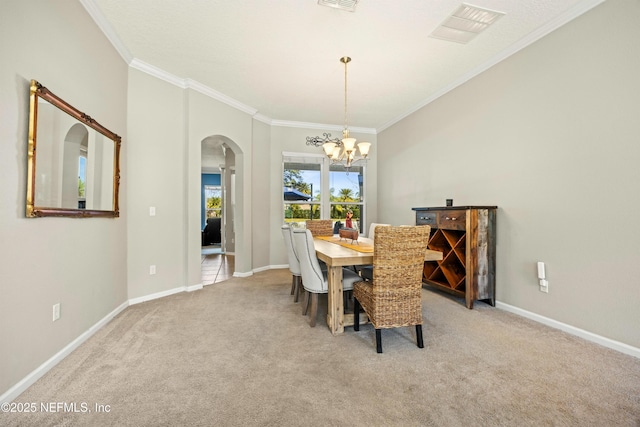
(342, 151)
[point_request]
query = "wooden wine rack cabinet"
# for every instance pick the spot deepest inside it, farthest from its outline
(466, 236)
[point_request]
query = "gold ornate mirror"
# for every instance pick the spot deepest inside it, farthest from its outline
(73, 162)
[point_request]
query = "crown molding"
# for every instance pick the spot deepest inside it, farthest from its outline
(532, 37)
(98, 17)
(96, 14)
(262, 118)
(187, 83)
(190, 84)
(158, 73)
(206, 90)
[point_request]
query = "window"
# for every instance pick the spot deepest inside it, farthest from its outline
(82, 178)
(213, 201)
(82, 175)
(302, 193)
(315, 189)
(346, 188)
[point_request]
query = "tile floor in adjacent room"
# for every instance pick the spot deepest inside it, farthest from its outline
(217, 267)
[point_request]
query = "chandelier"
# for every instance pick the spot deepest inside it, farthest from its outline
(341, 151)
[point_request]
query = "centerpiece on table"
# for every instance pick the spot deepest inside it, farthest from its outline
(349, 233)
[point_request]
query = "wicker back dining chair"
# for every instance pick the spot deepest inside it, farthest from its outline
(394, 297)
(320, 227)
(314, 278)
(294, 263)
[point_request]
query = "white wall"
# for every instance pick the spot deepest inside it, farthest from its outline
(208, 117)
(157, 172)
(262, 169)
(79, 263)
(167, 125)
(550, 136)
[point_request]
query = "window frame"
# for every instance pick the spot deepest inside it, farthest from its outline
(325, 196)
(212, 187)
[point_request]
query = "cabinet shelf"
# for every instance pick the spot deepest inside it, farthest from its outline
(466, 237)
(438, 276)
(438, 242)
(460, 249)
(454, 273)
(453, 237)
(430, 269)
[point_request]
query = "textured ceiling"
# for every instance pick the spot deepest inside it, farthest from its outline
(281, 57)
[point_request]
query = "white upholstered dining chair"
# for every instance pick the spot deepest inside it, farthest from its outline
(314, 279)
(294, 263)
(366, 271)
(372, 229)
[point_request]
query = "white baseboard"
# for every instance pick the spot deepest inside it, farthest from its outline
(194, 287)
(265, 268)
(239, 274)
(138, 300)
(150, 297)
(31, 378)
(606, 342)
(37, 373)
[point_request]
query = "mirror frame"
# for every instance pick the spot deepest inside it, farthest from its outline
(39, 91)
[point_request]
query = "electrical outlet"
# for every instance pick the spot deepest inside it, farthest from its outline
(56, 311)
(544, 286)
(152, 269)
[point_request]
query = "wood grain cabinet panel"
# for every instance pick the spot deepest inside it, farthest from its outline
(466, 236)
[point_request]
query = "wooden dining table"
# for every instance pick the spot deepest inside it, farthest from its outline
(334, 252)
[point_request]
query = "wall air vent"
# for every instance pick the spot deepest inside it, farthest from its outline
(348, 5)
(466, 23)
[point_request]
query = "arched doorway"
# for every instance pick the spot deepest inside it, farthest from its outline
(74, 169)
(217, 209)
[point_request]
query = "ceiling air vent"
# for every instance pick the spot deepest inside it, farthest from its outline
(348, 5)
(465, 23)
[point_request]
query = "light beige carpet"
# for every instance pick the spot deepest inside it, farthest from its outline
(239, 353)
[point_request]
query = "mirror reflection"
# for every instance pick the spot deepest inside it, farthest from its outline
(73, 161)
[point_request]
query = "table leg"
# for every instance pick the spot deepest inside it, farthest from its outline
(335, 312)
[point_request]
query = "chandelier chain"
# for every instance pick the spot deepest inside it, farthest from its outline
(345, 60)
(342, 151)
(345, 94)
